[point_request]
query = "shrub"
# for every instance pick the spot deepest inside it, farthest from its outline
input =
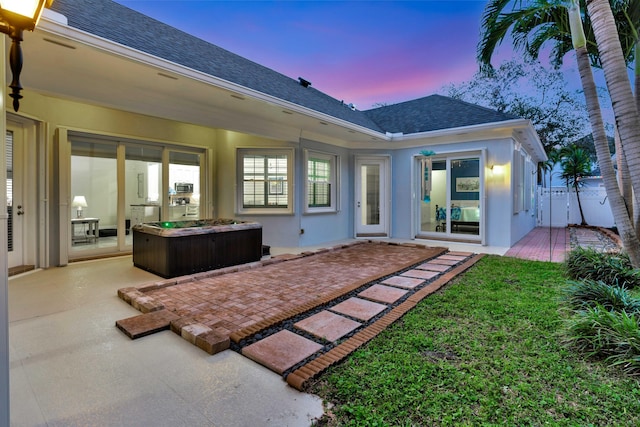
(591, 293)
(612, 269)
(613, 335)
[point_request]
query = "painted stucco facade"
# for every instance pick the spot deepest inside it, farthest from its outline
(101, 89)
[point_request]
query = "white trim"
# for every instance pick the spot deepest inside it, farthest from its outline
(334, 173)
(57, 28)
(289, 210)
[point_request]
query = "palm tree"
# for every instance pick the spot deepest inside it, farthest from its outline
(618, 84)
(576, 164)
(532, 26)
(628, 234)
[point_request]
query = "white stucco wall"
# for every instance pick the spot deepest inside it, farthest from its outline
(503, 227)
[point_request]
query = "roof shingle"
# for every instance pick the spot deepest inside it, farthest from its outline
(433, 113)
(115, 22)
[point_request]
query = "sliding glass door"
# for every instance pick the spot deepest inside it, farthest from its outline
(94, 195)
(118, 184)
(184, 185)
(450, 199)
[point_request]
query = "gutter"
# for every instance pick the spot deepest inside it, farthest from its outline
(57, 24)
(514, 124)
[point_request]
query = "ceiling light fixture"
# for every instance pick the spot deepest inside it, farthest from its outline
(59, 43)
(161, 74)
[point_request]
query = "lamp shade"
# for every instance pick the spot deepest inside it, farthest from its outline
(79, 202)
(23, 14)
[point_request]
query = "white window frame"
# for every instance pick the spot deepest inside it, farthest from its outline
(289, 190)
(333, 161)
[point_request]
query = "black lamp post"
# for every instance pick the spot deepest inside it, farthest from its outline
(17, 16)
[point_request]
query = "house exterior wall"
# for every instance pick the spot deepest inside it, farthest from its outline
(299, 228)
(55, 114)
(503, 226)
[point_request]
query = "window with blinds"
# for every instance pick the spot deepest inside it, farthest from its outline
(266, 179)
(321, 173)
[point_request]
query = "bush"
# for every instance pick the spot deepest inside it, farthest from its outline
(591, 293)
(613, 335)
(612, 269)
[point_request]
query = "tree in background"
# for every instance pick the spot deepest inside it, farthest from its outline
(576, 164)
(536, 23)
(528, 90)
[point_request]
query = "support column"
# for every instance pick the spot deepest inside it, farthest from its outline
(4, 272)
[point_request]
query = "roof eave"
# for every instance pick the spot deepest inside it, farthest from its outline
(522, 130)
(56, 24)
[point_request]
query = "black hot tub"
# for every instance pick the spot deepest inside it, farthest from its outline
(178, 248)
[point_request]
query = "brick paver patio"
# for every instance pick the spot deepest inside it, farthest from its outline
(298, 314)
(236, 298)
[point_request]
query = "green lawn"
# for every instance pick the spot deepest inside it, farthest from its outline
(484, 351)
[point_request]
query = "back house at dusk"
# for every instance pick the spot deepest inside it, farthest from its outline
(135, 121)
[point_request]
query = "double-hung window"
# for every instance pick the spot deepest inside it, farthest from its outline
(266, 181)
(321, 183)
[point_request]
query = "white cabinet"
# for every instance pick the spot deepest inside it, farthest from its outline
(144, 213)
(182, 212)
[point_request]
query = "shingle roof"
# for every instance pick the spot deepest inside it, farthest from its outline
(433, 113)
(112, 21)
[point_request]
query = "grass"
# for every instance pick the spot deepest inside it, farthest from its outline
(486, 350)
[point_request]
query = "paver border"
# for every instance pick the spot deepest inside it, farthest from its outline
(300, 377)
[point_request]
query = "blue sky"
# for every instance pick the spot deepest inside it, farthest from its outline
(362, 52)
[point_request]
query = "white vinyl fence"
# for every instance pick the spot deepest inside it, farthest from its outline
(561, 206)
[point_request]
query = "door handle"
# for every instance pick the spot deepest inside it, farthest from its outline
(20, 211)
(358, 204)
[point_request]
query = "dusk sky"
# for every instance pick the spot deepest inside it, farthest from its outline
(362, 52)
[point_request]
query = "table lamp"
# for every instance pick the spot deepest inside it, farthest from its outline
(79, 202)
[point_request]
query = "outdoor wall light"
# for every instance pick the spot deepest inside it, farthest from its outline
(497, 169)
(15, 17)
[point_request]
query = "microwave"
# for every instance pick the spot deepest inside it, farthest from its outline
(183, 187)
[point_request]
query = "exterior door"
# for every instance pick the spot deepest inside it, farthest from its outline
(15, 200)
(451, 196)
(372, 197)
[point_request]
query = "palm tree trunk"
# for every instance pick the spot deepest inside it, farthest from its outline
(624, 180)
(615, 72)
(626, 174)
(575, 187)
(616, 202)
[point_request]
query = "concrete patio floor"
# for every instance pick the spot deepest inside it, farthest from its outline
(69, 365)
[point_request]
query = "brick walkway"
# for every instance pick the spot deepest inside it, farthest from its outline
(296, 315)
(256, 295)
(542, 244)
(299, 314)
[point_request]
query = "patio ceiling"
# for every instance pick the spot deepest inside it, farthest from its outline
(99, 72)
